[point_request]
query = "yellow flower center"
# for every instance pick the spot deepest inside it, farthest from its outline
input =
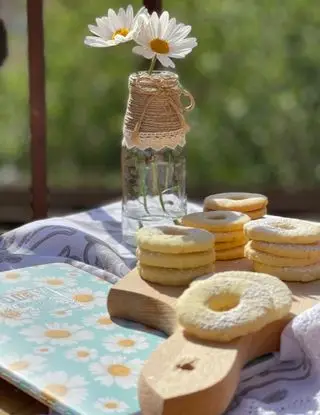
(126, 343)
(111, 405)
(56, 389)
(61, 313)
(118, 370)
(83, 354)
(83, 298)
(54, 281)
(104, 321)
(122, 32)
(159, 46)
(19, 365)
(14, 315)
(57, 334)
(12, 276)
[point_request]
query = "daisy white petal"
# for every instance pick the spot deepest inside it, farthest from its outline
(129, 14)
(180, 55)
(122, 17)
(170, 28)
(188, 43)
(182, 33)
(96, 30)
(166, 61)
(164, 20)
(101, 30)
(139, 32)
(146, 53)
(154, 26)
(114, 20)
(104, 26)
(142, 11)
(97, 42)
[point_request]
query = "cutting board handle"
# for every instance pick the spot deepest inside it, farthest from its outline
(185, 376)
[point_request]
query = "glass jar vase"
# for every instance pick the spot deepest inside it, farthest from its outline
(153, 188)
(153, 152)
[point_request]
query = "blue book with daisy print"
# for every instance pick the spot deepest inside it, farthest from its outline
(58, 344)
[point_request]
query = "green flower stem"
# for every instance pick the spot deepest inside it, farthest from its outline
(157, 181)
(143, 187)
(154, 178)
(152, 64)
(168, 171)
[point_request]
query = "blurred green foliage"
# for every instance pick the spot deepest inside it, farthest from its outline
(255, 76)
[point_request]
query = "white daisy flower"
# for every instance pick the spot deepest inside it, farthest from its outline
(14, 277)
(111, 406)
(52, 281)
(43, 350)
(61, 334)
(118, 370)
(4, 339)
(61, 387)
(99, 321)
(82, 354)
(125, 344)
(23, 364)
(162, 38)
(113, 29)
(14, 318)
(88, 298)
(61, 313)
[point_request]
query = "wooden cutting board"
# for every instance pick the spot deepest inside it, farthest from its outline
(186, 376)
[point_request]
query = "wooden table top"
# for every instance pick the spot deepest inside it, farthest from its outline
(15, 402)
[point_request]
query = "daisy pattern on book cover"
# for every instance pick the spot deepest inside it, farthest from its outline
(58, 344)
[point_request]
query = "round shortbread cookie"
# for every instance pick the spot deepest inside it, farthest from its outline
(223, 309)
(277, 261)
(177, 261)
(229, 254)
(279, 291)
(288, 250)
(257, 214)
(174, 239)
(236, 236)
(236, 201)
(170, 276)
(290, 274)
(215, 221)
(221, 246)
(283, 230)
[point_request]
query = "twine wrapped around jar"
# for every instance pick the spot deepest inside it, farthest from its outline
(155, 114)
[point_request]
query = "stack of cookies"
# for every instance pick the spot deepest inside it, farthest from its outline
(252, 204)
(286, 248)
(174, 255)
(227, 228)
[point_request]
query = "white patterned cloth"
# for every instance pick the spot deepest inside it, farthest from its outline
(286, 384)
(290, 385)
(90, 240)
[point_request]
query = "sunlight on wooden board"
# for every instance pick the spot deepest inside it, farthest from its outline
(186, 375)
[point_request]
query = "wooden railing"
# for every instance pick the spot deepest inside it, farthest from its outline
(15, 206)
(37, 108)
